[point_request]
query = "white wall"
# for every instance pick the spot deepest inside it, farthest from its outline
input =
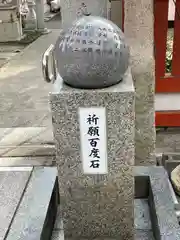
(171, 10)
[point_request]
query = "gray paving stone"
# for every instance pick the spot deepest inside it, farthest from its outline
(58, 235)
(19, 136)
(4, 131)
(36, 213)
(142, 219)
(24, 118)
(27, 161)
(24, 93)
(45, 137)
(59, 222)
(29, 150)
(168, 141)
(144, 235)
(12, 184)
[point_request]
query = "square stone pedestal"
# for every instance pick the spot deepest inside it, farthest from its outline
(10, 24)
(96, 202)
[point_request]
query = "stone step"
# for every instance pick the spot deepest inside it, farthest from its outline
(24, 142)
(27, 150)
(28, 202)
(25, 135)
(27, 161)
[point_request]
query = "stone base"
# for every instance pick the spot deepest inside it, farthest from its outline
(152, 183)
(96, 205)
(153, 200)
(10, 31)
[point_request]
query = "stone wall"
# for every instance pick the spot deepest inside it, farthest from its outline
(140, 33)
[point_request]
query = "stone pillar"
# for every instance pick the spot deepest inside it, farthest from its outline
(72, 9)
(40, 17)
(31, 21)
(10, 22)
(96, 202)
(139, 30)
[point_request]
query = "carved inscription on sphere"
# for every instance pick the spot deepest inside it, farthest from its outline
(93, 39)
(92, 53)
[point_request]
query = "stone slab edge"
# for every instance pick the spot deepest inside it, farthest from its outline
(27, 161)
(164, 220)
(38, 207)
(13, 182)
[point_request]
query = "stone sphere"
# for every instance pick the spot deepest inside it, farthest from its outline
(92, 54)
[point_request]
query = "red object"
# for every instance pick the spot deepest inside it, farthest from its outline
(160, 37)
(168, 119)
(172, 82)
(123, 15)
(166, 83)
(176, 45)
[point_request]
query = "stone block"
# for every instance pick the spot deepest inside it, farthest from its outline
(168, 141)
(142, 215)
(8, 14)
(162, 208)
(143, 235)
(10, 31)
(9, 4)
(20, 136)
(169, 160)
(27, 161)
(29, 150)
(26, 142)
(36, 213)
(58, 235)
(96, 205)
(28, 202)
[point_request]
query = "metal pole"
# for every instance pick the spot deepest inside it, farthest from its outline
(40, 17)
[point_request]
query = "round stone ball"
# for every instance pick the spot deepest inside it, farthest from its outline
(92, 54)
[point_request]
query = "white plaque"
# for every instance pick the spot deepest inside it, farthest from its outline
(93, 140)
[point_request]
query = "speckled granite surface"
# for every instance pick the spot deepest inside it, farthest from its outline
(168, 140)
(96, 206)
(154, 212)
(12, 186)
(142, 223)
